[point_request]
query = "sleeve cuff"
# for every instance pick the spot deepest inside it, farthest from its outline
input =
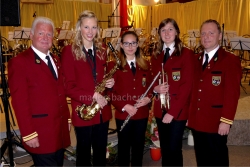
(227, 121)
(29, 137)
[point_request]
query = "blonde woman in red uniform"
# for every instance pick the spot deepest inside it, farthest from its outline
(131, 81)
(177, 62)
(84, 64)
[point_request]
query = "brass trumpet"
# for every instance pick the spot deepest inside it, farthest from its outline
(164, 97)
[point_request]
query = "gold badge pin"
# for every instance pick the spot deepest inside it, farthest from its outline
(38, 61)
(143, 81)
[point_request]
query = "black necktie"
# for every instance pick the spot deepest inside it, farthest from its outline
(166, 55)
(133, 67)
(91, 55)
(205, 63)
(51, 67)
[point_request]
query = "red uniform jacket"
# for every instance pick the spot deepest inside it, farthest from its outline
(39, 102)
(215, 92)
(129, 88)
(80, 84)
(180, 70)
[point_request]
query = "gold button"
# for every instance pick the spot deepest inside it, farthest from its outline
(199, 90)
(134, 88)
(199, 99)
(198, 108)
(134, 79)
(201, 80)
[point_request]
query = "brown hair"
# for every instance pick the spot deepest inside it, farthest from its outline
(178, 43)
(138, 54)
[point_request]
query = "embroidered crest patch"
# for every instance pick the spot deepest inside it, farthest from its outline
(216, 80)
(176, 75)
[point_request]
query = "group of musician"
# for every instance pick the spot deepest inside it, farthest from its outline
(200, 92)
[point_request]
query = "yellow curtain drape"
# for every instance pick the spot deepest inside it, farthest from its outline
(235, 14)
(59, 11)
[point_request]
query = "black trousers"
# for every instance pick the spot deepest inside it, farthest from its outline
(210, 149)
(95, 136)
(171, 141)
(51, 159)
(131, 140)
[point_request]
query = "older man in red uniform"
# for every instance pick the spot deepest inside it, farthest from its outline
(215, 97)
(38, 98)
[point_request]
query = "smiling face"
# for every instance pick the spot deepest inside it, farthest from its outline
(88, 30)
(43, 37)
(168, 34)
(210, 36)
(129, 44)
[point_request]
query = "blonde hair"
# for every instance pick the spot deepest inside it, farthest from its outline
(77, 46)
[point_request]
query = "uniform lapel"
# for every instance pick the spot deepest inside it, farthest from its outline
(43, 65)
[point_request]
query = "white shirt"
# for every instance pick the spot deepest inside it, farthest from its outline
(171, 47)
(210, 54)
(43, 57)
(129, 62)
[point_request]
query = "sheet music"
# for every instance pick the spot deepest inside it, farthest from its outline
(111, 32)
(10, 35)
(154, 31)
(69, 34)
(240, 43)
(141, 41)
(136, 30)
(193, 42)
(65, 25)
(195, 33)
(21, 33)
(229, 34)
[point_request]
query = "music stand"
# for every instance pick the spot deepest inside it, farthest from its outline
(111, 32)
(65, 34)
(154, 31)
(136, 30)
(65, 25)
(23, 33)
(228, 36)
(195, 33)
(141, 41)
(242, 44)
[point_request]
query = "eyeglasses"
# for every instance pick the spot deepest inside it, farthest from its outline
(127, 44)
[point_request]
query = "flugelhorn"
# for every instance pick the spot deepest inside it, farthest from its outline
(164, 97)
(142, 96)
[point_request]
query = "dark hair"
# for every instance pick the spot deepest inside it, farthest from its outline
(138, 54)
(178, 43)
(212, 21)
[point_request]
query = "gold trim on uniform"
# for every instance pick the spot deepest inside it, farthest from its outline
(69, 121)
(29, 137)
(230, 122)
(176, 75)
(216, 80)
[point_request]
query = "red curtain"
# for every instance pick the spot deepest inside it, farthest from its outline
(123, 13)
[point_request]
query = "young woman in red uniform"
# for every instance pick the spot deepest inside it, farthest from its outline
(178, 65)
(131, 81)
(84, 64)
